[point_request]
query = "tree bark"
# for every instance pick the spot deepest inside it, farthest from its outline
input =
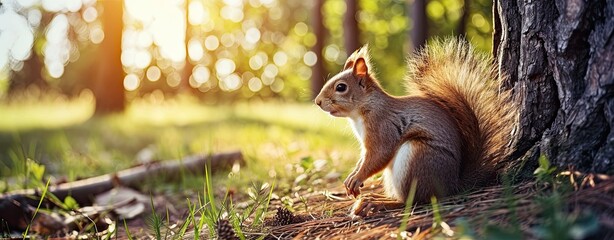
(351, 34)
(318, 72)
(109, 88)
(461, 28)
(419, 21)
(559, 59)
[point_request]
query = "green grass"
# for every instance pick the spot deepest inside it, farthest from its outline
(279, 140)
(47, 112)
(63, 136)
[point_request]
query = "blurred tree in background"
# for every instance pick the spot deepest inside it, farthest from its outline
(108, 87)
(419, 24)
(218, 50)
(318, 69)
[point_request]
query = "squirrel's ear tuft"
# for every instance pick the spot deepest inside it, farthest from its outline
(363, 51)
(360, 67)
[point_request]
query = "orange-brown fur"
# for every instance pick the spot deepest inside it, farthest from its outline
(455, 120)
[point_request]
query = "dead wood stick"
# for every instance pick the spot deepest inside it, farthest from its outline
(84, 190)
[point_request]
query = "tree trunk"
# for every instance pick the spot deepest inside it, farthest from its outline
(559, 57)
(109, 88)
(419, 22)
(29, 75)
(318, 75)
(461, 28)
(351, 34)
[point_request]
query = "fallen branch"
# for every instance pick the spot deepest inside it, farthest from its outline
(84, 190)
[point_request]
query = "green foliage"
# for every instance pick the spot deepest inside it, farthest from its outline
(307, 163)
(511, 230)
(437, 220)
(464, 229)
(544, 171)
(502, 232)
(184, 226)
(70, 203)
(128, 234)
(261, 196)
(25, 233)
(213, 211)
(439, 224)
(155, 222)
(556, 223)
(267, 43)
(34, 170)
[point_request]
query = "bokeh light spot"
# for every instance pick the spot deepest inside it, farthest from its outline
(301, 29)
(131, 82)
(142, 59)
(153, 73)
(331, 53)
(173, 79)
(231, 82)
(197, 13)
(271, 70)
(435, 9)
(212, 43)
(228, 40)
(280, 58)
(224, 66)
(34, 17)
(55, 69)
(254, 84)
(96, 35)
(252, 35)
(310, 58)
(195, 50)
(255, 62)
(277, 86)
(90, 14)
(201, 74)
(234, 14)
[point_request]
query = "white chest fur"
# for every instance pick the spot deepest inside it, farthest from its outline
(358, 124)
(396, 172)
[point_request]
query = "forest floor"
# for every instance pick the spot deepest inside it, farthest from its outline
(289, 187)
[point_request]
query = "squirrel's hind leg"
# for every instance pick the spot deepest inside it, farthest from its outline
(372, 203)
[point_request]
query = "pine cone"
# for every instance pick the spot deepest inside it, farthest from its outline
(224, 230)
(283, 217)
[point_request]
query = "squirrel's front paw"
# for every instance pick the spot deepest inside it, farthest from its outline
(353, 185)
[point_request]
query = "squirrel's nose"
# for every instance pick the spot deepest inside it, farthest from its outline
(318, 102)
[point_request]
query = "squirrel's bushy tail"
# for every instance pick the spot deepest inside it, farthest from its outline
(466, 84)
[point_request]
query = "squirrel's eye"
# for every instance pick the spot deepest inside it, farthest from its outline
(341, 87)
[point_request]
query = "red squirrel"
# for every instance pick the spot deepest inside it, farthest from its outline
(449, 134)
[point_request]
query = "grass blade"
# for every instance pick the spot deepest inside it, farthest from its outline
(25, 233)
(409, 202)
